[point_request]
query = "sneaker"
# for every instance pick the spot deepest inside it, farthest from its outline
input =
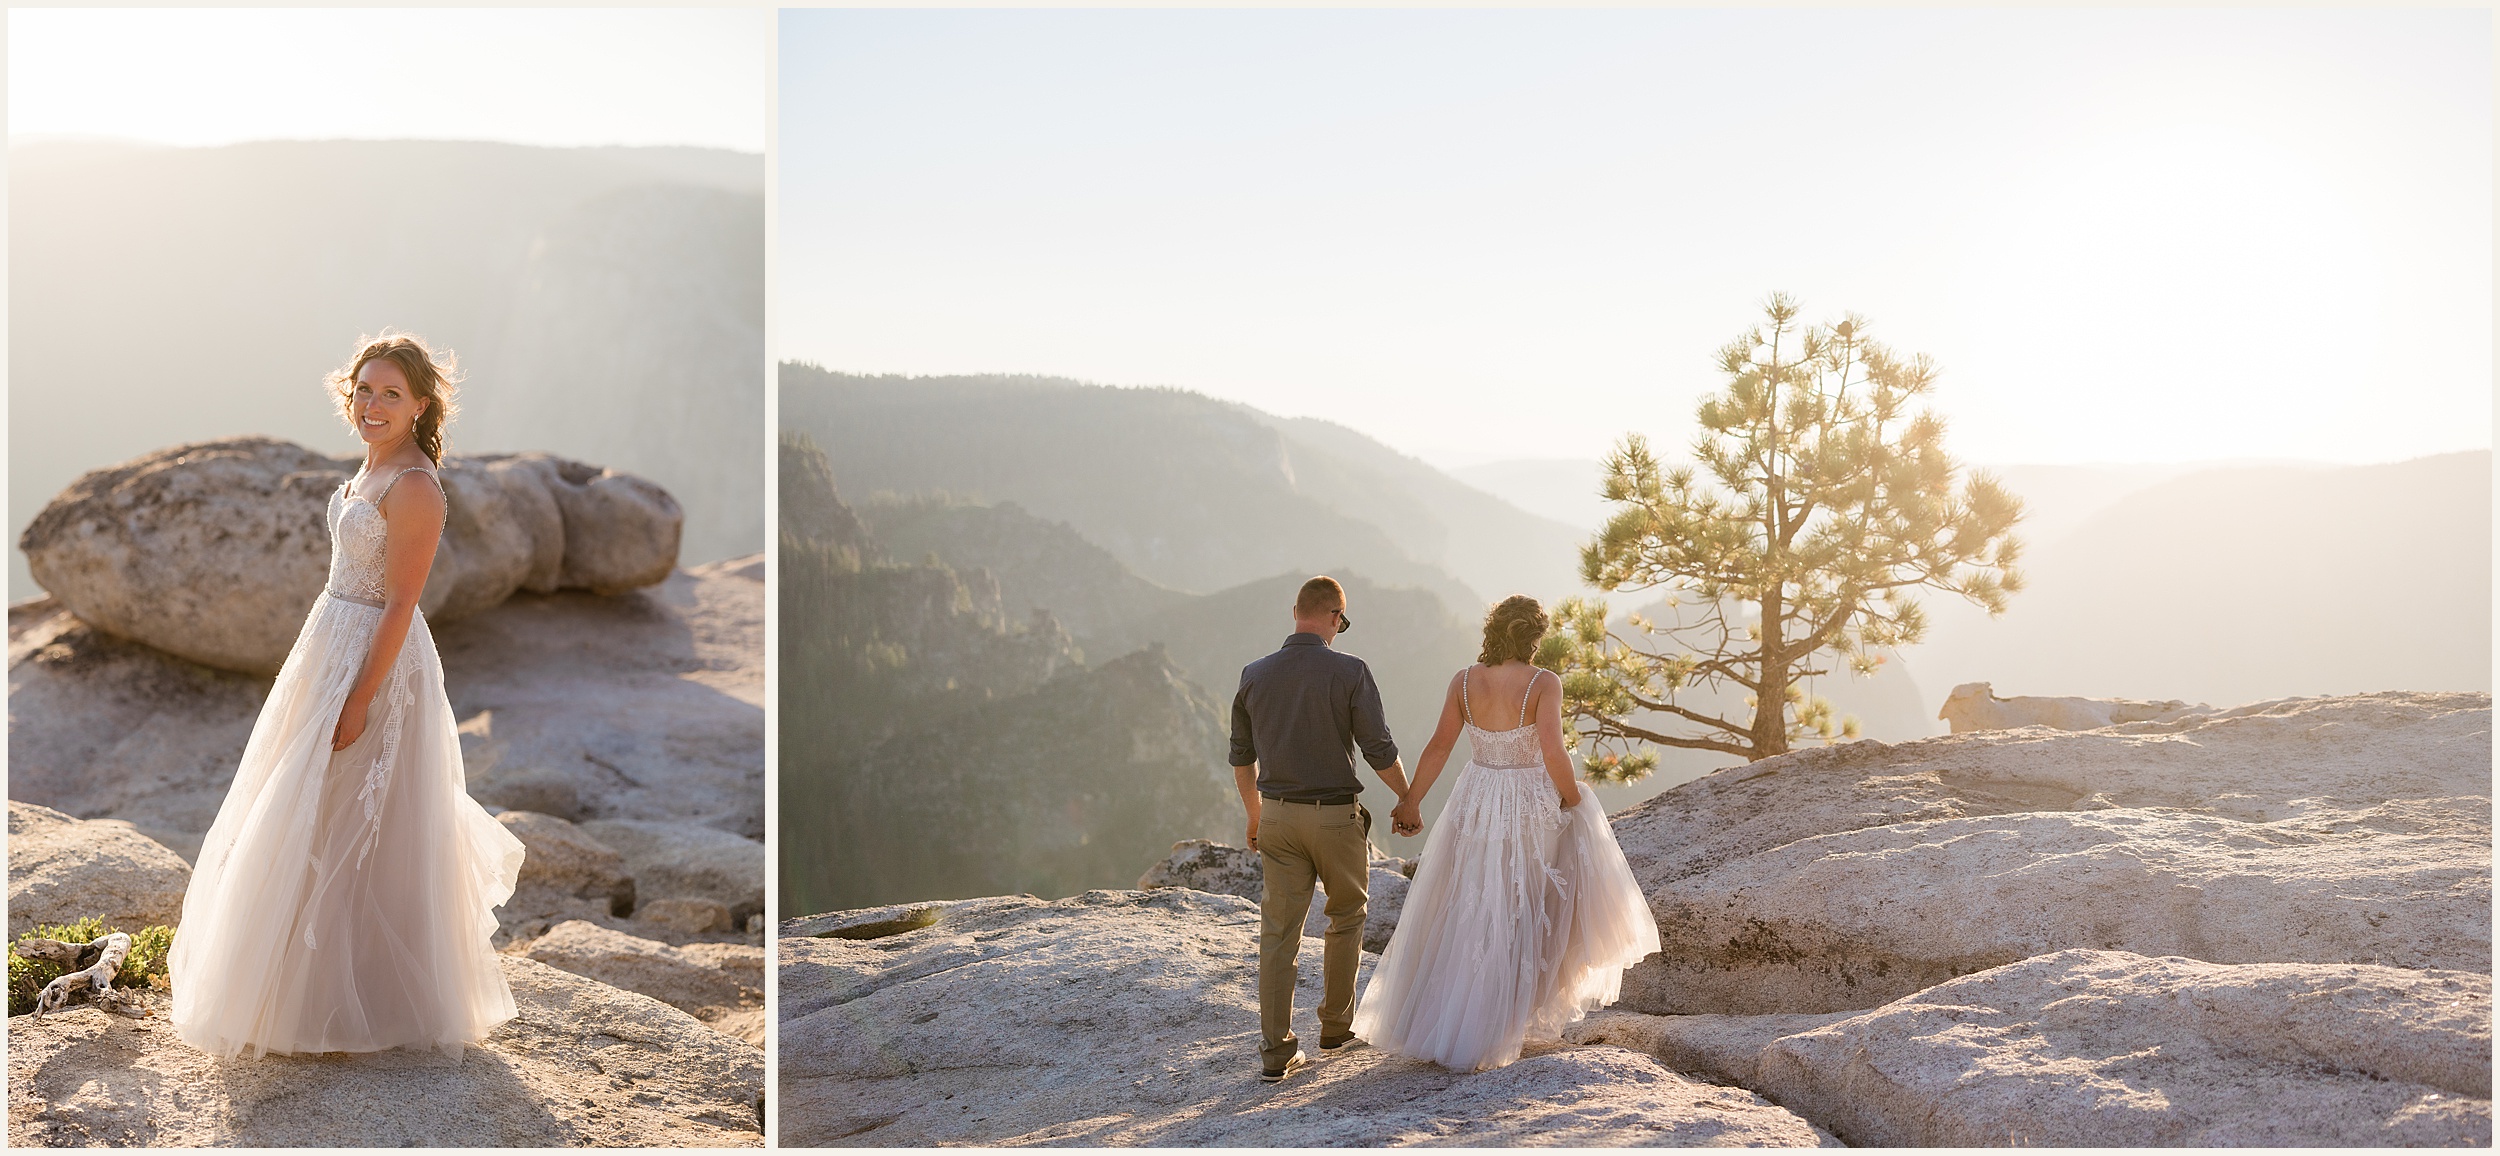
(1329, 1043)
(1277, 1075)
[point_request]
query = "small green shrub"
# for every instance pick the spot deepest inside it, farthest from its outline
(146, 963)
(147, 959)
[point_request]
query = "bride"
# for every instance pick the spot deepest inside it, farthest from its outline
(343, 900)
(1523, 914)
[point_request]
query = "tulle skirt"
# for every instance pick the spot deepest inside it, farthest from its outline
(1522, 917)
(344, 902)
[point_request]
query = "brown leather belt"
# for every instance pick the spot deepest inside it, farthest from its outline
(1330, 801)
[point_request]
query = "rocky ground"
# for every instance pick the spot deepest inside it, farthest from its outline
(2271, 925)
(1205, 865)
(2105, 1048)
(620, 736)
(583, 1064)
(1131, 1018)
(648, 1036)
(643, 706)
(2330, 830)
(640, 715)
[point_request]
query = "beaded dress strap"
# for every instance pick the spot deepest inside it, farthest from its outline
(1463, 710)
(386, 489)
(1524, 697)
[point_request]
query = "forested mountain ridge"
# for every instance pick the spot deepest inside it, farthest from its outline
(937, 745)
(1411, 639)
(1188, 492)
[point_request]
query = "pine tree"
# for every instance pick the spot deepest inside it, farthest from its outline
(1820, 505)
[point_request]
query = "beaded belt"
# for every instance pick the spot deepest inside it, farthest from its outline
(352, 598)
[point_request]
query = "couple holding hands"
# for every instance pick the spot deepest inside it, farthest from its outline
(1523, 913)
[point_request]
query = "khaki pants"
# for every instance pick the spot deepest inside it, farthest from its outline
(1299, 844)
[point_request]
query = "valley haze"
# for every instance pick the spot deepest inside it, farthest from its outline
(1093, 528)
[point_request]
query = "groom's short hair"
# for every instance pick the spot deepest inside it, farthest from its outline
(1318, 596)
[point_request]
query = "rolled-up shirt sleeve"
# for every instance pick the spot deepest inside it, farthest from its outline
(1371, 725)
(1245, 749)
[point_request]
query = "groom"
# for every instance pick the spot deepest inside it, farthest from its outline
(1297, 718)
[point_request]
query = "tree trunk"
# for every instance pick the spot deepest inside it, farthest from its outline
(1770, 710)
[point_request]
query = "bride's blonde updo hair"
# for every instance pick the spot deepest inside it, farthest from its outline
(433, 376)
(1512, 630)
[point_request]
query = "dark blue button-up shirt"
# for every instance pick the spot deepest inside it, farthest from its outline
(1299, 715)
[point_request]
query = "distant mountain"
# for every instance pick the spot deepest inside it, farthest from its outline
(2055, 497)
(2214, 582)
(936, 744)
(2238, 584)
(1039, 565)
(1495, 547)
(607, 304)
(1062, 790)
(1409, 636)
(1188, 492)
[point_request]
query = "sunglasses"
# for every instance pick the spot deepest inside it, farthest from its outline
(1343, 623)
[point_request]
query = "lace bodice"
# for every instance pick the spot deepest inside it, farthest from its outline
(358, 534)
(1512, 749)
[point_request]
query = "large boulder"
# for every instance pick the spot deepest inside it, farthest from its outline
(647, 705)
(565, 874)
(2331, 830)
(214, 551)
(721, 984)
(1131, 1018)
(584, 1064)
(571, 874)
(62, 869)
(688, 861)
(2113, 1049)
(680, 916)
(1206, 865)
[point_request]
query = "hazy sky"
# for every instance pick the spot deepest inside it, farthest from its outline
(2126, 235)
(548, 76)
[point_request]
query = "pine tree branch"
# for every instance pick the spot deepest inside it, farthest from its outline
(1611, 727)
(1727, 668)
(1841, 614)
(1648, 703)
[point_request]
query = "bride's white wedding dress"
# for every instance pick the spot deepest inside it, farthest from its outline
(1522, 916)
(344, 901)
